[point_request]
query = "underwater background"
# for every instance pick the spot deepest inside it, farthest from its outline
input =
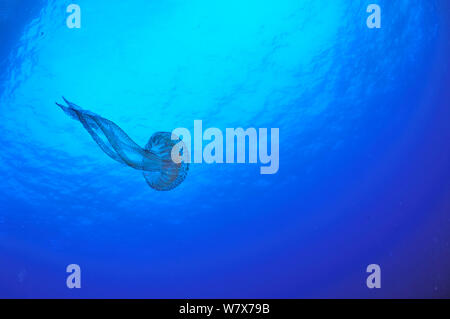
(364, 173)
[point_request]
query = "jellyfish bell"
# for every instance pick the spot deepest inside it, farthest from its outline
(168, 174)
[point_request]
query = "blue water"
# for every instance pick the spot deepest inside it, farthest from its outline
(364, 156)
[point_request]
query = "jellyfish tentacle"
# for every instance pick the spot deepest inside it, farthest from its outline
(93, 129)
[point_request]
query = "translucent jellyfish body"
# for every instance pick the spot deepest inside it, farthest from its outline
(155, 160)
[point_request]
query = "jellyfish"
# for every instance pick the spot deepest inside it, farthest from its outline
(154, 160)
